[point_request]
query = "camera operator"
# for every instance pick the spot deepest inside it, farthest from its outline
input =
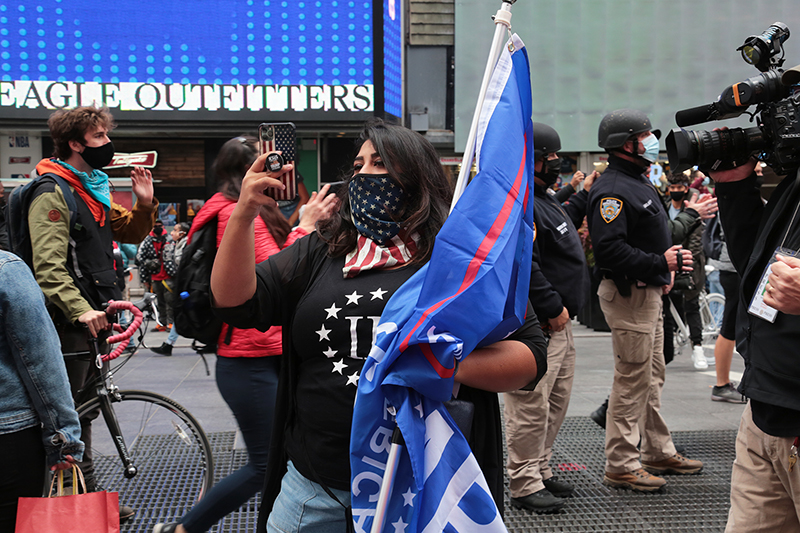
(765, 488)
(632, 246)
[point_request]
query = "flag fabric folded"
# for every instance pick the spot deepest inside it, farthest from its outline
(473, 292)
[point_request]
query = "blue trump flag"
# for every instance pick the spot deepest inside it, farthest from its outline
(473, 292)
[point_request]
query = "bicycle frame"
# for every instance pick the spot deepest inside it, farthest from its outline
(105, 388)
(708, 320)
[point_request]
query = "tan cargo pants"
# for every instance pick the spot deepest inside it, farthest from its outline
(765, 496)
(637, 335)
(533, 418)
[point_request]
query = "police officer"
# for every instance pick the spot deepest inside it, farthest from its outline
(559, 285)
(631, 241)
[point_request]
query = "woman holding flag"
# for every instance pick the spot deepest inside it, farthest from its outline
(328, 291)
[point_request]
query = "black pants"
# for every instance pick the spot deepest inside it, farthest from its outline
(23, 472)
(688, 305)
(163, 300)
(78, 374)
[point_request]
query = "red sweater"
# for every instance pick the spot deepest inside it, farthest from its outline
(244, 342)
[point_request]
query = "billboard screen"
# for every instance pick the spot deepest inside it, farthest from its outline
(294, 60)
(393, 57)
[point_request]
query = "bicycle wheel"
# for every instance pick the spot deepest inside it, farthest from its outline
(169, 449)
(712, 307)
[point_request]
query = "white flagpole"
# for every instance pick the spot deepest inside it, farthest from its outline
(502, 21)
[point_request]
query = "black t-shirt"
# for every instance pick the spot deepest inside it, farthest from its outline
(331, 322)
(332, 333)
(775, 420)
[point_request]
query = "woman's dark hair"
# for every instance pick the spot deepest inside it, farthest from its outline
(413, 163)
(230, 166)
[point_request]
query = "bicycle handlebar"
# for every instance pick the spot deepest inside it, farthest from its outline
(136, 309)
(113, 307)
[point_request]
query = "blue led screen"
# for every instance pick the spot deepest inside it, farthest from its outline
(393, 58)
(209, 55)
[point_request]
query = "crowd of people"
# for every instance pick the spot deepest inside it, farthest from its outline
(281, 270)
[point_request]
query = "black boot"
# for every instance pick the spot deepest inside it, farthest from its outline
(599, 414)
(164, 349)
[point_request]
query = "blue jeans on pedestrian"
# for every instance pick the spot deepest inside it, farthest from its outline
(303, 505)
(248, 385)
(173, 336)
(713, 283)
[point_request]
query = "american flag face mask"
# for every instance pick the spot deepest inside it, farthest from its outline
(374, 200)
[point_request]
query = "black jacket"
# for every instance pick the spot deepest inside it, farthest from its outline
(4, 245)
(628, 225)
(559, 277)
(770, 350)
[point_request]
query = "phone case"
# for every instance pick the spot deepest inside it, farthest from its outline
(280, 137)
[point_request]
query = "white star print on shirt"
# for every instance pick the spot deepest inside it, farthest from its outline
(378, 294)
(333, 311)
(330, 352)
(352, 379)
(353, 298)
(323, 333)
(338, 366)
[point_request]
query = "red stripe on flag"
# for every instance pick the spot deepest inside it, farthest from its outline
(437, 366)
(475, 263)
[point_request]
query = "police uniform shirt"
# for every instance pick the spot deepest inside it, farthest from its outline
(559, 277)
(628, 225)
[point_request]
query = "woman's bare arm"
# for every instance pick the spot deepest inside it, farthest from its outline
(502, 366)
(233, 278)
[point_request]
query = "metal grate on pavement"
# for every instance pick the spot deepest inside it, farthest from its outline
(697, 503)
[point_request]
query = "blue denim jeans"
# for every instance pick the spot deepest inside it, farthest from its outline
(303, 505)
(173, 336)
(714, 284)
(248, 385)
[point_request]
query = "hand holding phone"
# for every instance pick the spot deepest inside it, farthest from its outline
(278, 140)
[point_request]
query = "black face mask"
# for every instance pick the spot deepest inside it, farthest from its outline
(677, 195)
(550, 171)
(100, 156)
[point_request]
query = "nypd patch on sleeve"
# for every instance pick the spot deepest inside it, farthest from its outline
(610, 208)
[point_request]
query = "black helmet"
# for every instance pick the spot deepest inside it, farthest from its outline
(545, 140)
(620, 125)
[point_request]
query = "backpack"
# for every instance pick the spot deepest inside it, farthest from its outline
(712, 239)
(193, 315)
(19, 203)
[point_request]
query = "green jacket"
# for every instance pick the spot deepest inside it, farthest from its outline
(53, 247)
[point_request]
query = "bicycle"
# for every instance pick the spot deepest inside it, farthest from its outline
(155, 454)
(711, 310)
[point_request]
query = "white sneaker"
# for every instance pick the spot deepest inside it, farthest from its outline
(699, 358)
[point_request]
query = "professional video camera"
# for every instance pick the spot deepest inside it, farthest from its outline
(776, 138)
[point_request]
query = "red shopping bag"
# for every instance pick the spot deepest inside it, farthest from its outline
(95, 512)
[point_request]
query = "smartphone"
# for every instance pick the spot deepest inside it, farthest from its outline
(280, 137)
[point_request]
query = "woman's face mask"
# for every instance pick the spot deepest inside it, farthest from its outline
(375, 201)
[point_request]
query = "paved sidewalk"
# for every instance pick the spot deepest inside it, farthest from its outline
(687, 404)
